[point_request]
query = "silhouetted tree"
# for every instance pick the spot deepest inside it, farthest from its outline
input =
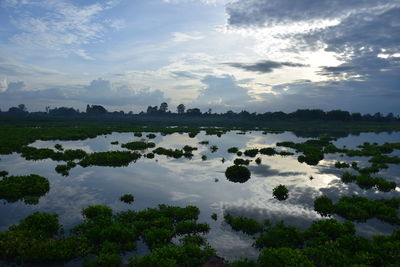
(63, 111)
(180, 108)
(95, 110)
(193, 111)
(164, 107)
(152, 110)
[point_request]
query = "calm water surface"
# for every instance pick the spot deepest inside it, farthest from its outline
(201, 183)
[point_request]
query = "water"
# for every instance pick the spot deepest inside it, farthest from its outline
(201, 183)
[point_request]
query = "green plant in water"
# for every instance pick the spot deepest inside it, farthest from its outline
(28, 188)
(127, 198)
(280, 192)
(237, 174)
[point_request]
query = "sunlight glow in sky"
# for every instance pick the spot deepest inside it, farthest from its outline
(258, 55)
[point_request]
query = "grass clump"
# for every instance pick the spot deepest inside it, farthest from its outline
(251, 152)
(360, 209)
(151, 136)
(114, 142)
(58, 147)
(110, 158)
(177, 153)
(127, 198)
(341, 165)
(28, 188)
(138, 145)
(280, 192)
(269, 151)
(213, 148)
(246, 225)
(233, 150)
(240, 161)
(237, 174)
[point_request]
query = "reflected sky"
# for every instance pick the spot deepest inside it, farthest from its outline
(200, 182)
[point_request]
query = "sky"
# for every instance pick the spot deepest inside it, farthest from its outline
(255, 55)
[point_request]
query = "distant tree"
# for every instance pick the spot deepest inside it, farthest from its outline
(63, 111)
(180, 108)
(152, 110)
(96, 110)
(193, 111)
(22, 107)
(164, 107)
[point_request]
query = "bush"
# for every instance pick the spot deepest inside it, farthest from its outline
(268, 151)
(127, 198)
(278, 236)
(258, 161)
(246, 225)
(233, 150)
(283, 257)
(237, 174)
(251, 152)
(280, 192)
(138, 145)
(151, 136)
(324, 206)
(29, 188)
(111, 158)
(241, 162)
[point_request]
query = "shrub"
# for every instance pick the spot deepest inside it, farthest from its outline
(268, 151)
(127, 198)
(241, 162)
(237, 174)
(280, 192)
(324, 206)
(138, 145)
(251, 152)
(29, 188)
(233, 150)
(246, 225)
(283, 257)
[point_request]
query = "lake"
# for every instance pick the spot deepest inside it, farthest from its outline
(182, 182)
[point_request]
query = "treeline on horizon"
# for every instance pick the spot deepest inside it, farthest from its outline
(162, 111)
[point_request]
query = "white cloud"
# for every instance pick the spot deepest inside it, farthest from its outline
(59, 25)
(82, 53)
(185, 37)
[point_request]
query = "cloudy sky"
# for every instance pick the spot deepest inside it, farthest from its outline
(258, 55)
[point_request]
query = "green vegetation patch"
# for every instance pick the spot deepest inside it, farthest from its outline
(246, 225)
(32, 153)
(269, 151)
(233, 150)
(138, 145)
(251, 152)
(280, 192)
(36, 239)
(360, 209)
(240, 161)
(110, 158)
(175, 153)
(237, 174)
(341, 165)
(127, 198)
(28, 188)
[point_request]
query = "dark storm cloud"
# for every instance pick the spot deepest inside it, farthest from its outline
(265, 66)
(270, 12)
